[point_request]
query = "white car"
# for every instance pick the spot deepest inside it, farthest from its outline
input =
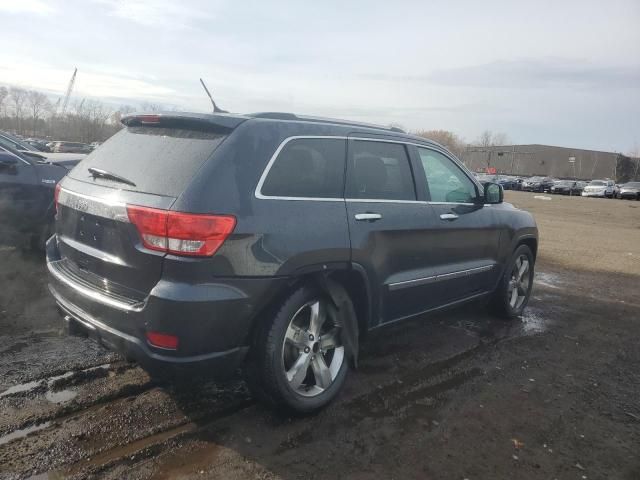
(599, 188)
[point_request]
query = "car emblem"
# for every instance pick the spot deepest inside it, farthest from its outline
(82, 205)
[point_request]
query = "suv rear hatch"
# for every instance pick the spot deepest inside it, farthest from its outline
(144, 167)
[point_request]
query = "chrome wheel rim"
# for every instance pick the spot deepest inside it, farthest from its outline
(312, 352)
(518, 287)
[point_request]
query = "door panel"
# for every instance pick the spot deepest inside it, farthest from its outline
(389, 228)
(466, 235)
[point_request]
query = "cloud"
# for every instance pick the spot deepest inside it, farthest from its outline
(538, 73)
(156, 13)
(25, 6)
(93, 84)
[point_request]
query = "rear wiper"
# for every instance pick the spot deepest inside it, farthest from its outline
(97, 172)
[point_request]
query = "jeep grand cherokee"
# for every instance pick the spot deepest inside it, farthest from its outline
(274, 242)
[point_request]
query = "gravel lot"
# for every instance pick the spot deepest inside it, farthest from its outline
(449, 396)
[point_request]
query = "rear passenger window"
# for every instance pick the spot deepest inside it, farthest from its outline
(309, 168)
(379, 170)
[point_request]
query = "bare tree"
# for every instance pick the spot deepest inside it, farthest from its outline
(446, 138)
(17, 97)
(490, 139)
(38, 104)
(151, 107)
(4, 93)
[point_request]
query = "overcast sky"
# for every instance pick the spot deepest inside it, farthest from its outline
(558, 72)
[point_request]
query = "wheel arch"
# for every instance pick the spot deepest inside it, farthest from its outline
(352, 278)
(530, 241)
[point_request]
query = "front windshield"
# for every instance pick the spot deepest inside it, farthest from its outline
(598, 183)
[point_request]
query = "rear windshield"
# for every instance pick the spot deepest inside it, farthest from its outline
(157, 160)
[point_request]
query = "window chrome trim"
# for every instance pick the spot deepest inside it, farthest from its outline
(438, 278)
(383, 200)
(258, 191)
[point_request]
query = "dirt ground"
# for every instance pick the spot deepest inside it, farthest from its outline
(458, 395)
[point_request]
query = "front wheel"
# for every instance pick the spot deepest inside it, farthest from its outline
(514, 289)
(299, 360)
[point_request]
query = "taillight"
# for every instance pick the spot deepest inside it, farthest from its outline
(162, 340)
(56, 194)
(181, 233)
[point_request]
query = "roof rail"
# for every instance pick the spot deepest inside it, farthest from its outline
(304, 118)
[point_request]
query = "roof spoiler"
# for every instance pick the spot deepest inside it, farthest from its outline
(193, 121)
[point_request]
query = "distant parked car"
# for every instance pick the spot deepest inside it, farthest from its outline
(567, 187)
(67, 160)
(537, 184)
(599, 188)
(70, 147)
(94, 145)
(629, 191)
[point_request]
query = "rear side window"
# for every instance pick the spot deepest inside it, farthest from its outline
(158, 160)
(307, 168)
(379, 170)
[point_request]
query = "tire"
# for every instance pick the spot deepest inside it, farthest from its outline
(298, 362)
(504, 302)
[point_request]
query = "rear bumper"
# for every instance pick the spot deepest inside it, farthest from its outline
(212, 321)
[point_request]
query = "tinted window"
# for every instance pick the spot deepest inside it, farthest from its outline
(157, 160)
(308, 167)
(446, 182)
(380, 170)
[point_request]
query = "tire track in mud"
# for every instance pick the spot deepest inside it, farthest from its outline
(61, 396)
(431, 381)
(104, 435)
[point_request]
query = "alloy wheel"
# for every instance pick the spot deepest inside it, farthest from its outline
(518, 287)
(312, 352)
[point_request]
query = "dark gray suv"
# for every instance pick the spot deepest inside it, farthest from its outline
(274, 242)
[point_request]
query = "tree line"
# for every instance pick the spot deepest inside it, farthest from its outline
(31, 113)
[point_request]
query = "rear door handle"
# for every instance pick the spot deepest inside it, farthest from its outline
(371, 217)
(448, 216)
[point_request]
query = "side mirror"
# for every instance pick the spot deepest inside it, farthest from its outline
(493, 193)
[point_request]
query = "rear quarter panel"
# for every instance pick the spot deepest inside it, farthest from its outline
(272, 237)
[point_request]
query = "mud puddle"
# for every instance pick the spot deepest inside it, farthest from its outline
(50, 384)
(23, 432)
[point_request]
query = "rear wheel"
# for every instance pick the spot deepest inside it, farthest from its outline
(514, 290)
(299, 360)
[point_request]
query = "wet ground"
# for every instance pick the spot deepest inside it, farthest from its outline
(455, 395)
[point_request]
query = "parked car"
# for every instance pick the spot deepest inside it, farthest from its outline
(94, 145)
(599, 188)
(67, 160)
(537, 184)
(507, 182)
(630, 191)
(567, 187)
(269, 258)
(26, 198)
(70, 147)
